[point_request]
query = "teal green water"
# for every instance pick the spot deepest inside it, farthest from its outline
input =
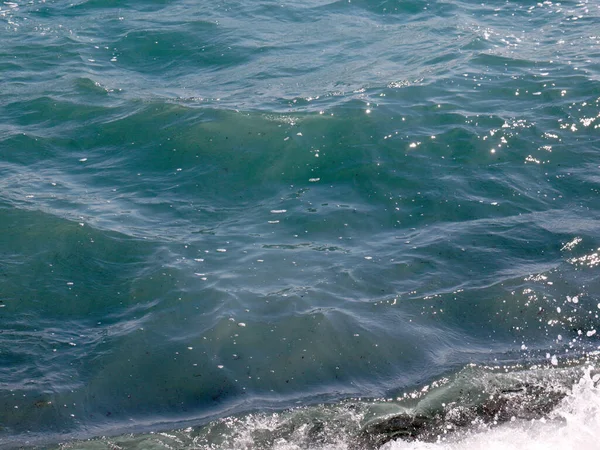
(217, 208)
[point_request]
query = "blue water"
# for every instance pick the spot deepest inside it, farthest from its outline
(221, 209)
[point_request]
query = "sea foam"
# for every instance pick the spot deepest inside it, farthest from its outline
(574, 424)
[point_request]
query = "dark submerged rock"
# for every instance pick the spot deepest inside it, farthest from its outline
(525, 402)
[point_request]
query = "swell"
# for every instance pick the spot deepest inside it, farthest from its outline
(471, 406)
(264, 56)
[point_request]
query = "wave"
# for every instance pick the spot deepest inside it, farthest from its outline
(508, 407)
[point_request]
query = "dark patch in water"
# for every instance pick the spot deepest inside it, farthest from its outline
(525, 402)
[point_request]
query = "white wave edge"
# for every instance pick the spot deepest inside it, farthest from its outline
(574, 424)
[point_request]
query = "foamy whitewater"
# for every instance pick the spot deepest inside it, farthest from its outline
(574, 424)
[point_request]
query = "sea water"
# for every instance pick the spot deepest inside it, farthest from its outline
(319, 224)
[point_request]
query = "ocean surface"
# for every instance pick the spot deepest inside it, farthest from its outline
(259, 224)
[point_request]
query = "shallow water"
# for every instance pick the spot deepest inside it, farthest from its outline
(210, 210)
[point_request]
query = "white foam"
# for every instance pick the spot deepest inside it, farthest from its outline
(575, 424)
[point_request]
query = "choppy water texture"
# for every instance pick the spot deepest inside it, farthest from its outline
(246, 220)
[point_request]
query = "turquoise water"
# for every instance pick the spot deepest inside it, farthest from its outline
(217, 211)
